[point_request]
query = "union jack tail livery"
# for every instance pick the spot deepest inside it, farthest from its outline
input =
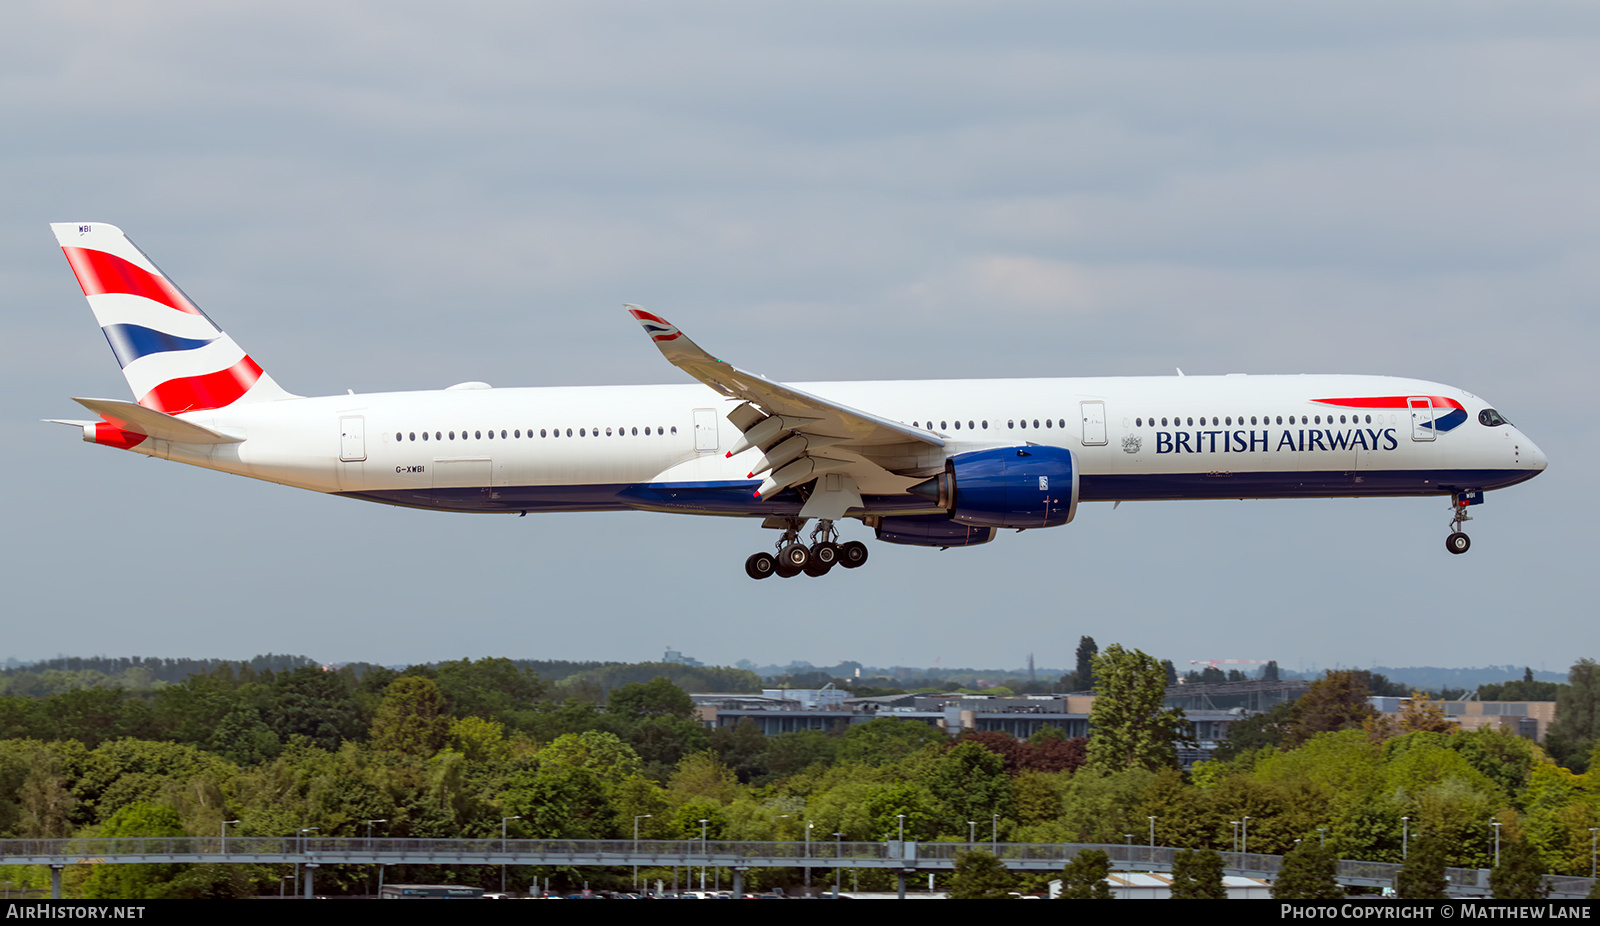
(175, 358)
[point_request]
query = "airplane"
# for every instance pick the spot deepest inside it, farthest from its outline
(937, 463)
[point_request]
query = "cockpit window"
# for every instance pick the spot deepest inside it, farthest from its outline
(1491, 418)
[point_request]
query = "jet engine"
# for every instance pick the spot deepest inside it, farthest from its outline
(1010, 487)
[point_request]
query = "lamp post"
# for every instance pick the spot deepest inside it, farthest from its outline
(809, 825)
(1405, 837)
(225, 835)
(703, 855)
(838, 863)
(503, 822)
(1152, 857)
(1496, 825)
(636, 819)
(1322, 837)
(303, 831)
(972, 834)
(370, 849)
(994, 834)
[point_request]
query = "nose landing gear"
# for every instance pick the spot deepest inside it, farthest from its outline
(1458, 542)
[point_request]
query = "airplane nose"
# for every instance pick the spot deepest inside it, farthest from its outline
(1533, 458)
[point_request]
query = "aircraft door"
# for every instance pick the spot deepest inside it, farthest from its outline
(705, 429)
(353, 439)
(1421, 417)
(1094, 423)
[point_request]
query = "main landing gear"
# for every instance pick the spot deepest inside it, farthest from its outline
(794, 557)
(1458, 542)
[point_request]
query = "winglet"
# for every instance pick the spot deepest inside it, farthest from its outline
(674, 344)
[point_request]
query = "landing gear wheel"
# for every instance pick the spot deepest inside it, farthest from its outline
(795, 556)
(760, 565)
(826, 554)
(785, 571)
(1458, 542)
(852, 554)
(817, 570)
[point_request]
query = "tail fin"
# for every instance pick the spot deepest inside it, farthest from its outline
(174, 358)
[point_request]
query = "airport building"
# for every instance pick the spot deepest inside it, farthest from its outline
(1210, 709)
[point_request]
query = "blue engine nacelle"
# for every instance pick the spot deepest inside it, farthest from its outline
(1010, 487)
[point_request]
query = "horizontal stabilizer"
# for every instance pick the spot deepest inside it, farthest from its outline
(137, 419)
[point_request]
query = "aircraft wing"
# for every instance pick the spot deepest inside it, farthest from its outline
(820, 416)
(802, 436)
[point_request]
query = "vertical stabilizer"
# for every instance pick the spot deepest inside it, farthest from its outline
(174, 357)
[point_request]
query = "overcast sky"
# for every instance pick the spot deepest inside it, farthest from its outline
(401, 195)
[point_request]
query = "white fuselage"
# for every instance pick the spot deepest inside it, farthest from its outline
(664, 447)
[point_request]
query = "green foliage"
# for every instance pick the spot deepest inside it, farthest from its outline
(689, 678)
(968, 783)
(1197, 875)
(317, 705)
(413, 718)
(980, 876)
(1128, 726)
(136, 882)
(886, 740)
(1577, 724)
(1519, 875)
(1422, 877)
(1087, 671)
(1337, 701)
(489, 688)
(657, 698)
(1084, 878)
(1309, 873)
(129, 771)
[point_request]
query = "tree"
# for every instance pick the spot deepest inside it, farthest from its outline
(970, 783)
(136, 882)
(412, 719)
(314, 704)
(657, 698)
(980, 876)
(1084, 878)
(1197, 875)
(1578, 705)
(1422, 713)
(886, 740)
(1309, 872)
(1337, 701)
(1087, 650)
(1422, 876)
(1127, 726)
(1272, 728)
(1518, 875)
